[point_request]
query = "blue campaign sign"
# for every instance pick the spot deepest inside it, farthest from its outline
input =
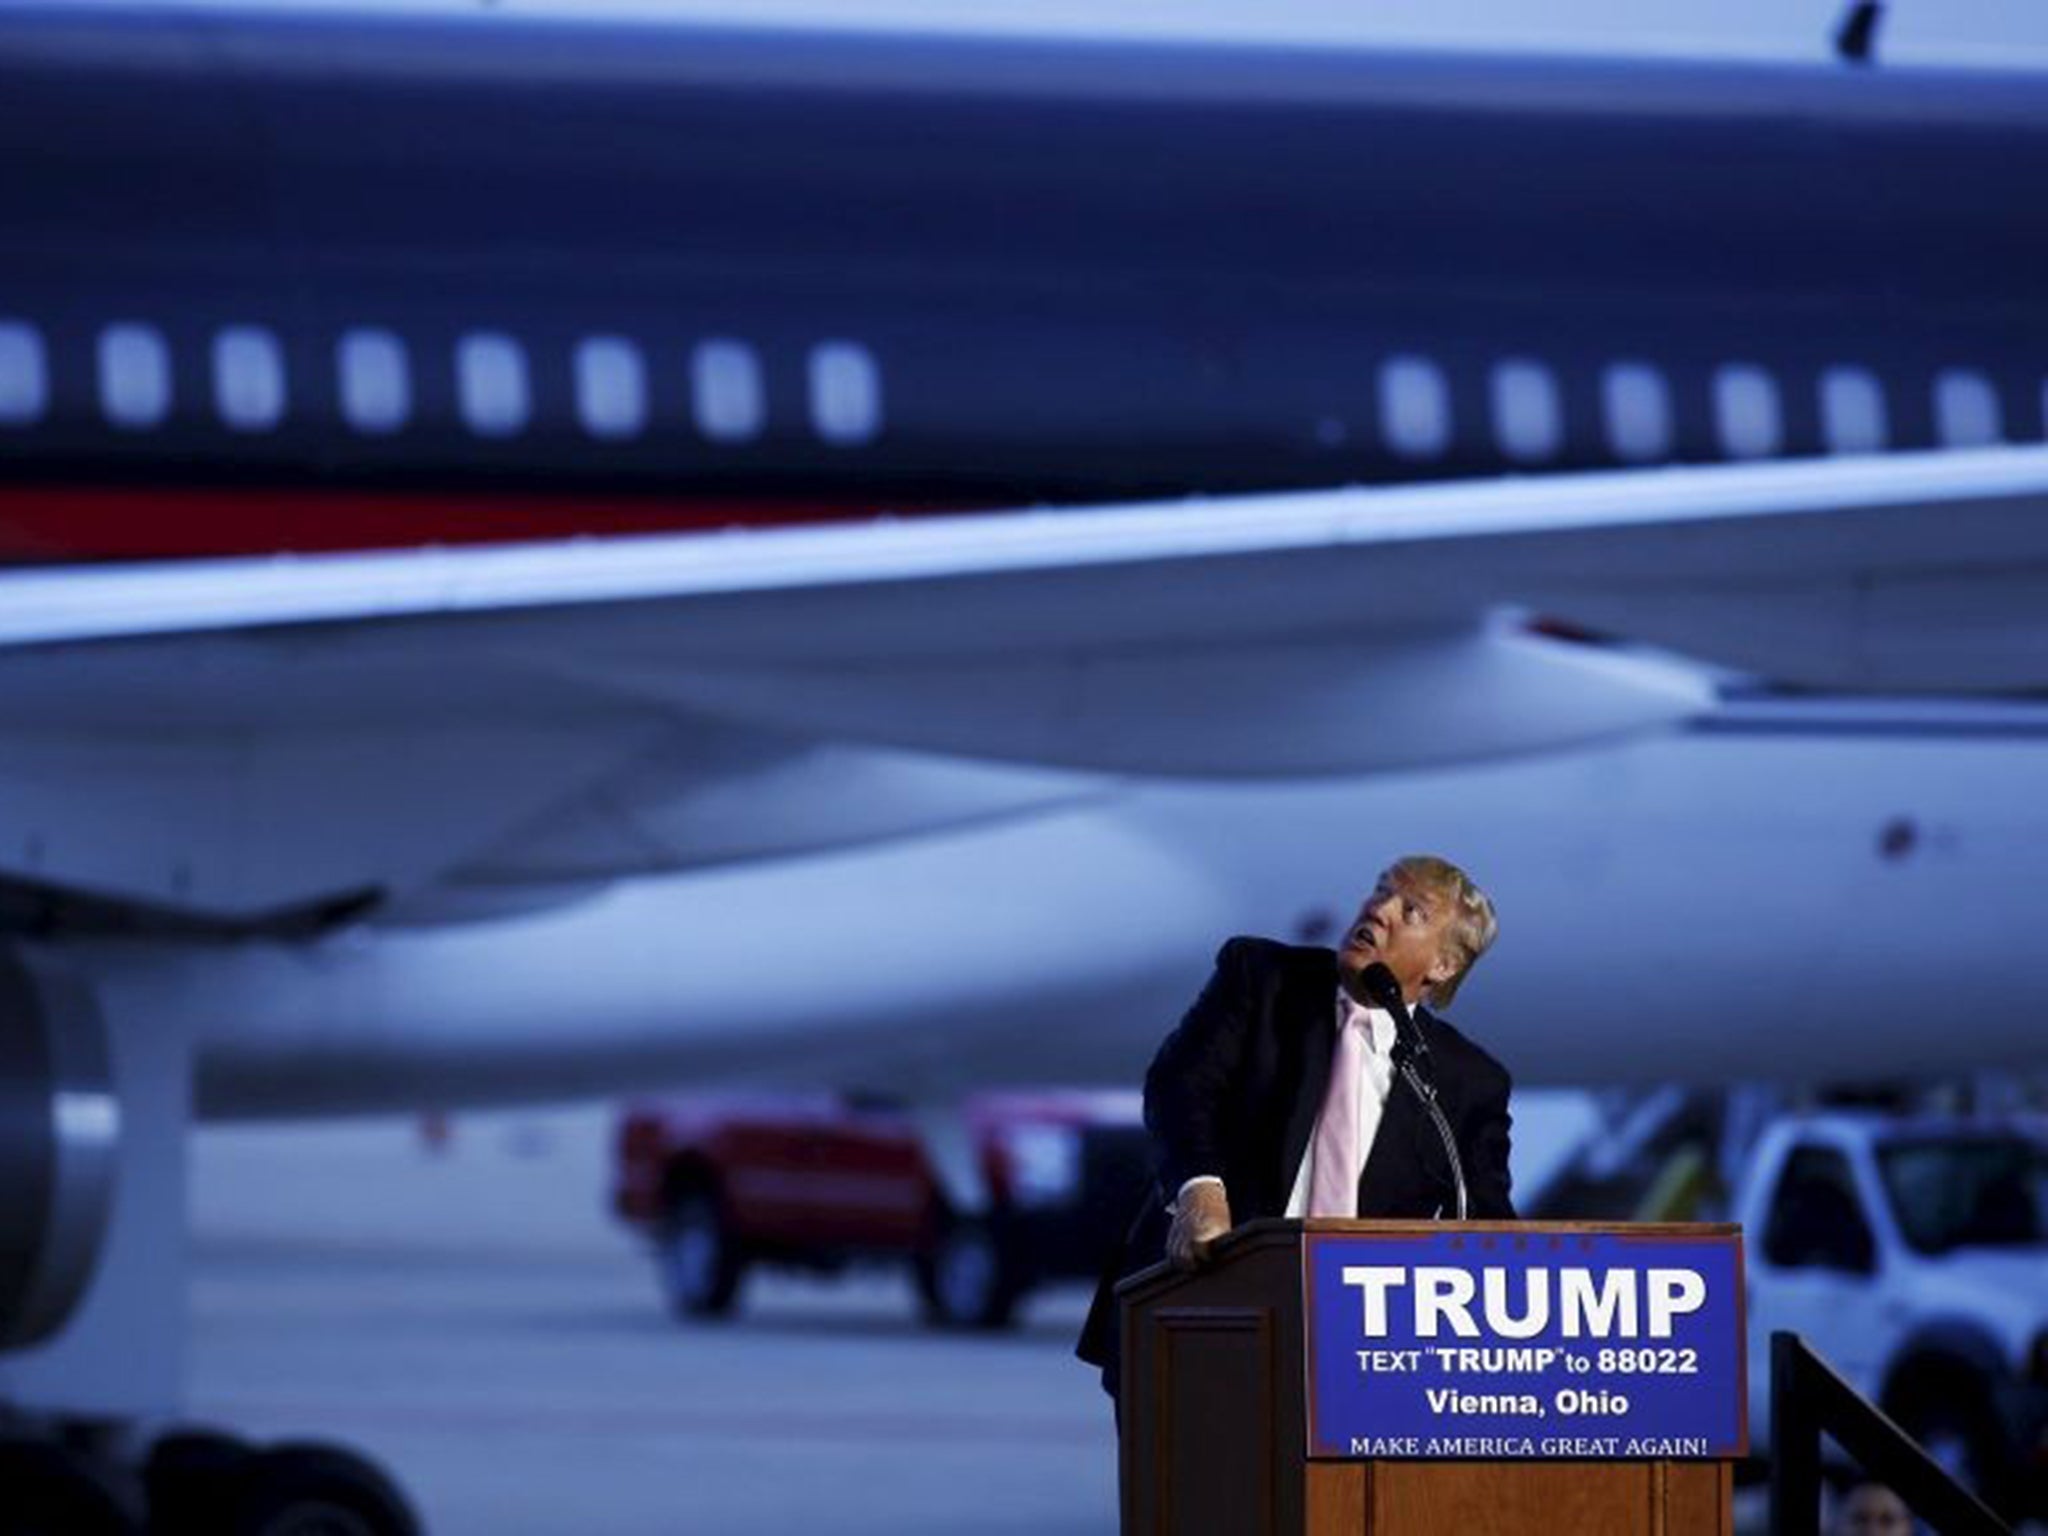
(1497, 1344)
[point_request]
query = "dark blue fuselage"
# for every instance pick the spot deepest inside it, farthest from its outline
(1070, 271)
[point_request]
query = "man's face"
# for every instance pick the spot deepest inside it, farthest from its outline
(1406, 927)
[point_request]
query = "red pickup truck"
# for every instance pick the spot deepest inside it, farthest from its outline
(720, 1182)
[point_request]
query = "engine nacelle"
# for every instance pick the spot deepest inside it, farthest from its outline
(60, 1124)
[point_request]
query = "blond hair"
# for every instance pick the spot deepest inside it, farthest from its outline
(1473, 925)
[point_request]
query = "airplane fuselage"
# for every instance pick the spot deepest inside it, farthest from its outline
(288, 282)
(303, 282)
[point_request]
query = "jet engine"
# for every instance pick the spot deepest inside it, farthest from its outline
(59, 1125)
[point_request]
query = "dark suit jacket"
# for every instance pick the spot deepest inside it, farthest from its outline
(1235, 1090)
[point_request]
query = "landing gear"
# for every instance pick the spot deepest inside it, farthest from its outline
(53, 1490)
(190, 1475)
(93, 1297)
(316, 1490)
(202, 1483)
(198, 1483)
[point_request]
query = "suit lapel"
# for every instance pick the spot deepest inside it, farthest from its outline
(1307, 1009)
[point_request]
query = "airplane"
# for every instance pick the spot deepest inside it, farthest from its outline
(542, 559)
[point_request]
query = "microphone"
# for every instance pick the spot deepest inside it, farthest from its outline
(1378, 983)
(1411, 1056)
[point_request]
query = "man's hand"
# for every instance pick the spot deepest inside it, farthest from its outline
(1201, 1215)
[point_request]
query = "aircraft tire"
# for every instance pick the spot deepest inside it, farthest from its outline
(300, 1488)
(192, 1476)
(51, 1490)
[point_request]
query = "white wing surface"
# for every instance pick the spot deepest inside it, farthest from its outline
(235, 739)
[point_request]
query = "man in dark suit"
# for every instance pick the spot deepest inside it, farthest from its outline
(1279, 1093)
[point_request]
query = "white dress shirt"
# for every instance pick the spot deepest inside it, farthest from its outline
(1378, 1025)
(1379, 1081)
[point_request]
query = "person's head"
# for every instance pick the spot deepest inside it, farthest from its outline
(1426, 922)
(1871, 1509)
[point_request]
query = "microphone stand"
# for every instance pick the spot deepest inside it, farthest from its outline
(1423, 1091)
(1411, 1055)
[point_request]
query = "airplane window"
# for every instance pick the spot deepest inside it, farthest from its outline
(135, 375)
(24, 374)
(1965, 409)
(611, 387)
(1852, 417)
(248, 378)
(846, 392)
(727, 397)
(1528, 418)
(1637, 404)
(490, 384)
(1415, 407)
(1746, 411)
(376, 389)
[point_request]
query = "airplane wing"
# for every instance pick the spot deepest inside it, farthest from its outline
(261, 736)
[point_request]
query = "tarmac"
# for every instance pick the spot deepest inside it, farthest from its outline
(469, 1316)
(461, 1307)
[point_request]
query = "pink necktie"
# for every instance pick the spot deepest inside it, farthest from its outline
(1333, 1185)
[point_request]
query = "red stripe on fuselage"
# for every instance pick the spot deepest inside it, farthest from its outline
(54, 524)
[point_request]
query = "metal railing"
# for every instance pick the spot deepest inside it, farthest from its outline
(1807, 1399)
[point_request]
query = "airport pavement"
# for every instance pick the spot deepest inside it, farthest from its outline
(471, 1319)
(467, 1313)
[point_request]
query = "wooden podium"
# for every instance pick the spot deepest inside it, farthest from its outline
(1215, 1433)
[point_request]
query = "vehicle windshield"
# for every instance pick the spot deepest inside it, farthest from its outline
(1988, 1192)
